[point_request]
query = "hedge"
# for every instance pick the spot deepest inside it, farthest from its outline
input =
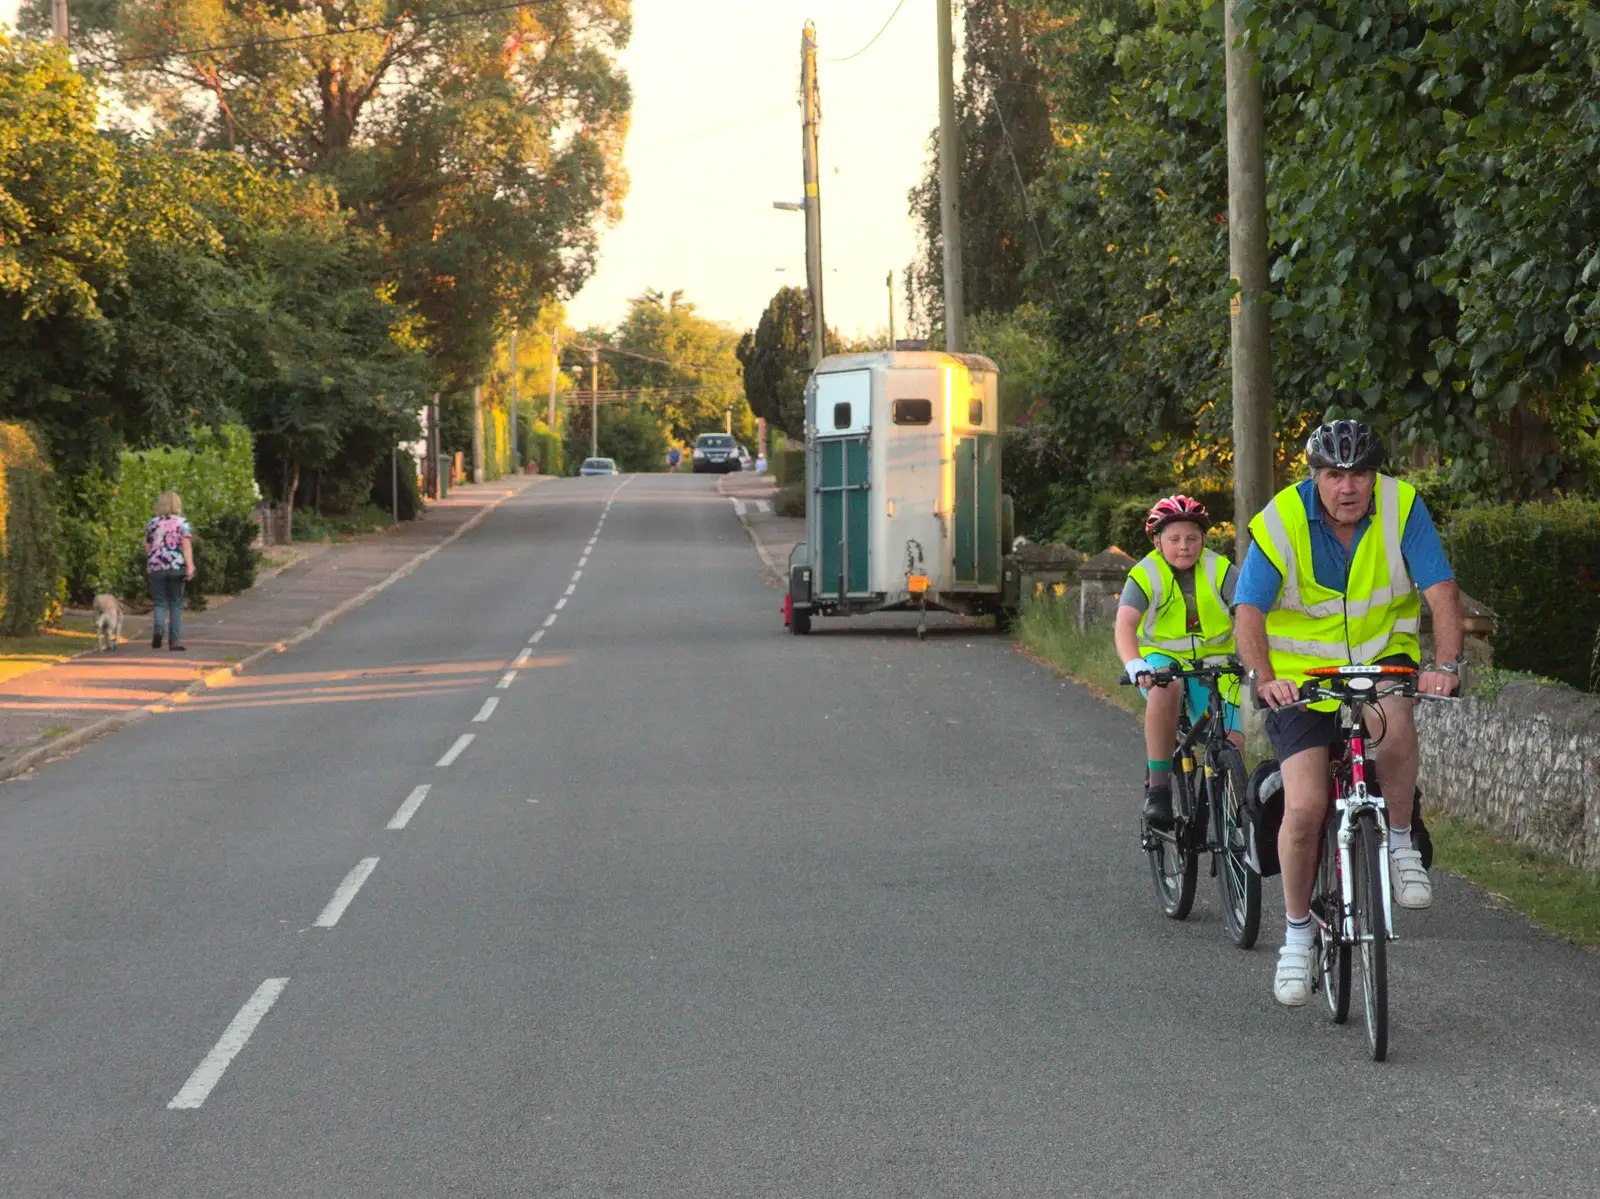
(30, 577)
(215, 478)
(1538, 567)
(787, 466)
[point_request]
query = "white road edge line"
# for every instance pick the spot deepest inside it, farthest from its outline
(561, 603)
(523, 656)
(209, 1072)
(506, 680)
(549, 620)
(489, 705)
(409, 808)
(455, 751)
(346, 892)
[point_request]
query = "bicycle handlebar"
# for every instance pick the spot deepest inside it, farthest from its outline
(1172, 674)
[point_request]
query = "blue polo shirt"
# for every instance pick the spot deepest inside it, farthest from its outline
(1260, 583)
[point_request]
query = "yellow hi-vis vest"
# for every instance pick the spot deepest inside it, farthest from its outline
(1378, 614)
(1164, 627)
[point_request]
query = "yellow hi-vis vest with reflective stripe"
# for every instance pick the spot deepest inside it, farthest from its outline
(1164, 627)
(1378, 614)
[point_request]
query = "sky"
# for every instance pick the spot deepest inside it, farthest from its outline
(715, 139)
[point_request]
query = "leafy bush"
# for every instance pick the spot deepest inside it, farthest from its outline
(788, 466)
(225, 556)
(30, 578)
(790, 500)
(84, 535)
(544, 447)
(311, 525)
(410, 506)
(213, 475)
(1538, 567)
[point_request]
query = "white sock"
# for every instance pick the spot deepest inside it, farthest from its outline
(1400, 838)
(1298, 932)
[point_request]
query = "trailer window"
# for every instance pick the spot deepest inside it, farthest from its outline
(974, 412)
(841, 415)
(913, 412)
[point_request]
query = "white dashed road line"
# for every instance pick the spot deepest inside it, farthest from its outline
(523, 656)
(409, 809)
(506, 680)
(561, 603)
(209, 1072)
(576, 575)
(549, 620)
(489, 705)
(456, 750)
(571, 587)
(346, 892)
(536, 638)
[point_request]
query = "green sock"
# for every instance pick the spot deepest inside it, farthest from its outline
(1160, 772)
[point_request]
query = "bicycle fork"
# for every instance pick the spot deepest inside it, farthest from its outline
(1361, 799)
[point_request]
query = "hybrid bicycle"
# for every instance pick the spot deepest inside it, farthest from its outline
(1208, 791)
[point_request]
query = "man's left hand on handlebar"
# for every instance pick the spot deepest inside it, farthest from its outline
(1437, 682)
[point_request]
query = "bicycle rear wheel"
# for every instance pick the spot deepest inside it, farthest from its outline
(1174, 863)
(1239, 886)
(1334, 952)
(1372, 932)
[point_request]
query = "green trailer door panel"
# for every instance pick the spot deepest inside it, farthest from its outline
(844, 527)
(977, 515)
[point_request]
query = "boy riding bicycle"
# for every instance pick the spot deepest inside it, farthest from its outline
(1174, 609)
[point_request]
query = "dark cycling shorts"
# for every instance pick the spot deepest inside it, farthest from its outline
(1295, 730)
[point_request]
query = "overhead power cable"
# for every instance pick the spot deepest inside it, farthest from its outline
(376, 26)
(875, 36)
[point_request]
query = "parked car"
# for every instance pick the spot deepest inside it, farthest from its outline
(716, 453)
(597, 466)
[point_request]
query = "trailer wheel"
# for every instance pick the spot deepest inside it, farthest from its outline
(799, 622)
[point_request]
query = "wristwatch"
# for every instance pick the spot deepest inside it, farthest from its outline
(1449, 667)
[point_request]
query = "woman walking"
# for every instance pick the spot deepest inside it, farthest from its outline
(169, 564)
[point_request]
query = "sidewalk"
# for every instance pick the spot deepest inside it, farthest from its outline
(774, 536)
(47, 712)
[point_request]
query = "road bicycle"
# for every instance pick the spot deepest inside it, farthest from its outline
(1350, 899)
(1208, 790)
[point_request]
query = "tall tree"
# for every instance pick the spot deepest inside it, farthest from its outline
(776, 358)
(485, 147)
(687, 363)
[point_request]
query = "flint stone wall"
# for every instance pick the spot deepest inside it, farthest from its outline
(1522, 764)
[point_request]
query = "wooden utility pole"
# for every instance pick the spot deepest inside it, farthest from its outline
(891, 311)
(1250, 309)
(58, 20)
(555, 358)
(955, 302)
(477, 433)
(811, 103)
(516, 433)
(594, 401)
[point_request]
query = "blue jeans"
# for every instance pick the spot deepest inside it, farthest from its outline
(166, 591)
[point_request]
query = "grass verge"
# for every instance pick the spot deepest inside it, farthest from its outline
(1559, 898)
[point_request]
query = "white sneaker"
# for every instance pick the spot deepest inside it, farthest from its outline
(1292, 985)
(1409, 880)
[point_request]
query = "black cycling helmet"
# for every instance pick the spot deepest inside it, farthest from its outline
(1344, 445)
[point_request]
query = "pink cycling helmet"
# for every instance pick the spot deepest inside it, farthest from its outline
(1175, 508)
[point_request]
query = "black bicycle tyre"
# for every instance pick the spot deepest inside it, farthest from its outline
(1174, 864)
(1334, 954)
(1238, 886)
(1372, 932)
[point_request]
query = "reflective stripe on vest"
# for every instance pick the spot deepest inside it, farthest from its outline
(1164, 626)
(1380, 613)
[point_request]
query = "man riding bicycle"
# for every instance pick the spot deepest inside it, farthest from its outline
(1333, 579)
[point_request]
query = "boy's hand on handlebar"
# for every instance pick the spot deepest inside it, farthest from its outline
(1140, 672)
(1275, 693)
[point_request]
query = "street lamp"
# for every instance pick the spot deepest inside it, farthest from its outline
(790, 205)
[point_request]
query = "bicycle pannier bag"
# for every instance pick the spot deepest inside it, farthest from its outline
(1263, 802)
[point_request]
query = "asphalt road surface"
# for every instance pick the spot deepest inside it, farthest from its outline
(561, 869)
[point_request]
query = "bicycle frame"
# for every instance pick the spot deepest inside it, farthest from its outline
(1351, 795)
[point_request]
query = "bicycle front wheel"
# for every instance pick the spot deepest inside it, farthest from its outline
(1239, 886)
(1372, 931)
(1174, 862)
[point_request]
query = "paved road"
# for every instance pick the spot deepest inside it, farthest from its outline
(702, 909)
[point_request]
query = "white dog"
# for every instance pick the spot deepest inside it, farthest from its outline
(107, 622)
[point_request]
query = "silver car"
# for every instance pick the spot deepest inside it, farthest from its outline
(597, 466)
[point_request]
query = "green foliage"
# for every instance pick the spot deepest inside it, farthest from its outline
(1048, 627)
(686, 364)
(30, 577)
(629, 433)
(214, 476)
(225, 554)
(545, 448)
(1538, 567)
(405, 469)
(788, 466)
(776, 358)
